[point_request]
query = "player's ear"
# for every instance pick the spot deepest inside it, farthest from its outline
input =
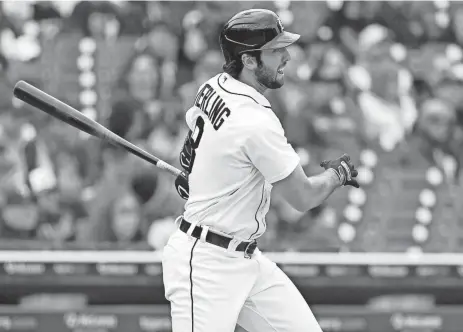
(248, 61)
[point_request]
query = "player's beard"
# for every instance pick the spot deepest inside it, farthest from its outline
(268, 77)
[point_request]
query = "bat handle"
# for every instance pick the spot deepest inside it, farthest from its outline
(114, 139)
(171, 169)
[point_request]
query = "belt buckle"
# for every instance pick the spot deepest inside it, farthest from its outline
(251, 245)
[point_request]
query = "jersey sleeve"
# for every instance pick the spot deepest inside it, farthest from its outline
(191, 116)
(193, 113)
(269, 151)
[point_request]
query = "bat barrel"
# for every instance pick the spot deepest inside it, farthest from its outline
(56, 108)
(33, 96)
(48, 104)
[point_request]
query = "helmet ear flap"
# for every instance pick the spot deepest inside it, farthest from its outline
(227, 55)
(225, 47)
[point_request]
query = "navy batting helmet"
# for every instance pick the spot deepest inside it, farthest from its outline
(253, 30)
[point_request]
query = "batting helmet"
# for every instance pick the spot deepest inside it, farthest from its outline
(253, 30)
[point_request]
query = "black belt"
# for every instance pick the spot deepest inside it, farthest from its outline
(219, 240)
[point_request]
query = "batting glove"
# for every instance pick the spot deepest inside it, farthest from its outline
(344, 169)
(181, 184)
(186, 153)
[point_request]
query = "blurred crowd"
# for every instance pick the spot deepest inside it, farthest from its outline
(381, 81)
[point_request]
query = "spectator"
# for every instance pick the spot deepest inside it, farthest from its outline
(141, 79)
(59, 218)
(126, 224)
(144, 186)
(5, 85)
(385, 102)
(19, 217)
(71, 172)
(97, 19)
(139, 107)
(119, 220)
(45, 11)
(127, 118)
(421, 91)
(133, 18)
(13, 176)
(167, 55)
(433, 138)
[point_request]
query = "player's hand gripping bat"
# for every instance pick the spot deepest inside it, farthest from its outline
(56, 108)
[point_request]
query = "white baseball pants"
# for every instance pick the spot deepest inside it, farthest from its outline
(211, 289)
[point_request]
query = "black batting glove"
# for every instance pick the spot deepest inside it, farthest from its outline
(181, 184)
(344, 169)
(187, 153)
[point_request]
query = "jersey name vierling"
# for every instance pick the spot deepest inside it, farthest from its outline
(212, 105)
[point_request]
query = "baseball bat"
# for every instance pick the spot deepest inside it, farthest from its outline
(56, 108)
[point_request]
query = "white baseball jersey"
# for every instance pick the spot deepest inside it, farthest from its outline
(240, 150)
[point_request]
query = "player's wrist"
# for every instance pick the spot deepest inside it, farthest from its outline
(334, 176)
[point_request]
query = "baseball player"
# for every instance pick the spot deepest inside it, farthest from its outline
(236, 153)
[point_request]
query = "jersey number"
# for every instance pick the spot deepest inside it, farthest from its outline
(195, 139)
